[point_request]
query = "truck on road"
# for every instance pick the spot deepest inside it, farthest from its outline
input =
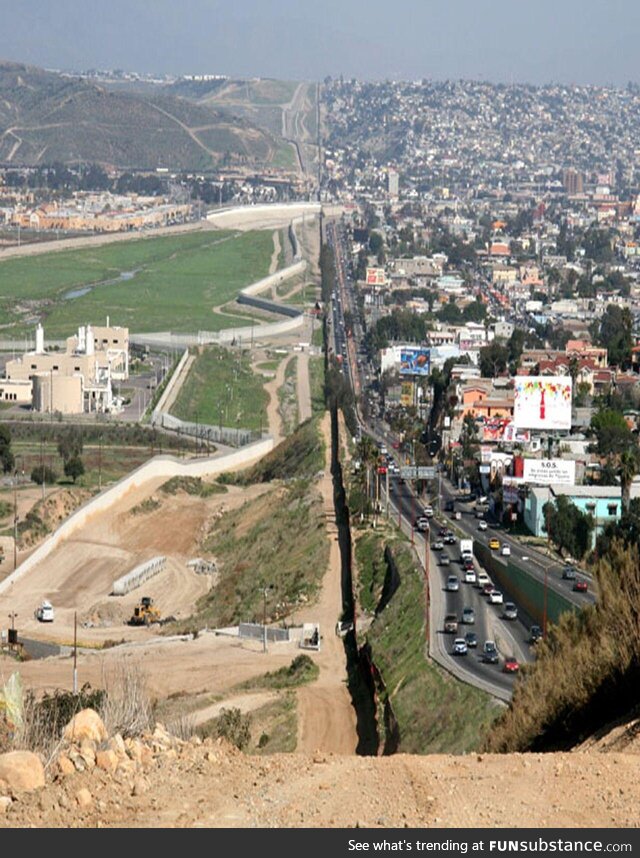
(466, 549)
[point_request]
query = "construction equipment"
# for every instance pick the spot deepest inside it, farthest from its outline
(144, 613)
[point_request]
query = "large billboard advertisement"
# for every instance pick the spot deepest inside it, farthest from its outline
(406, 394)
(503, 429)
(415, 362)
(376, 277)
(542, 402)
(548, 471)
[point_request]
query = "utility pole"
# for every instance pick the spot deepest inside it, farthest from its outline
(100, 463)
(15, 520)
(75, 652)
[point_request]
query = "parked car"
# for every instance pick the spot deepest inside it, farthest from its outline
(444, 560)
(505, 551)
(453, 584)
(44, 612)
(472, 639)
(468, 615)
(451, 623)
(459, 647)
(511, 665)
(494, 543)
(495, 597)
(490, 652)
(510, 611)
(482, 525)
(581, 586)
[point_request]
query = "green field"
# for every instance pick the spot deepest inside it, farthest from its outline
(176, 281)
(221, 388)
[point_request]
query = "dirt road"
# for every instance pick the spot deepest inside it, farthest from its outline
(273, 415)
(326, 718)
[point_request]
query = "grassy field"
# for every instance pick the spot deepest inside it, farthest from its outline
(436, 713)
(288, 397)
(175, 284)
(316, 381)
(222, 388)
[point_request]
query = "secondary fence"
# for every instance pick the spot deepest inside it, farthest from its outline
(205, 433)
(256, 632)
(138, 576)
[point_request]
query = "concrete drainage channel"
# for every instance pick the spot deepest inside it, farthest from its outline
(361, 671)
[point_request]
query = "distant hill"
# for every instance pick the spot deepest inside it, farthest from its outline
(46, 117)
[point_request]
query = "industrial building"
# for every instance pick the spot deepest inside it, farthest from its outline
(75, 381)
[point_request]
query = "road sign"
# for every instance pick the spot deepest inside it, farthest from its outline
(426, 473)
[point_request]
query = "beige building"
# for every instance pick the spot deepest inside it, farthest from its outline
(74, 381)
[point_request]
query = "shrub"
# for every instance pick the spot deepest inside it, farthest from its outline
(235, 727)
(43, 474)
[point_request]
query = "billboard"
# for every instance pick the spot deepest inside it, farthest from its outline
(503, 429)
(376, 277)
(415, 361)
(542, 402)
(548, 471)
(406, 394)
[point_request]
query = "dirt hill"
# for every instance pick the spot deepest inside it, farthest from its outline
(47, 117)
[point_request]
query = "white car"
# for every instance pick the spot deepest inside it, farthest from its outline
(459, 646)
(482, 525)
(453, 585)
(469, 576)
(505, 550)
(482, 578)
(428, 511)
(496, 597)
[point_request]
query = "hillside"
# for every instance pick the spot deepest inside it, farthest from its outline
(45, 117)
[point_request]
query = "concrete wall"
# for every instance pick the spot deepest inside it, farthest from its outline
(166, 393)
(262, 216)
(158, 467)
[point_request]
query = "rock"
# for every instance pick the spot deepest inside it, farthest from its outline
(21, 770)
(65, 766)
(84, 797)
(134, 749)
(195, 740)
(87, 724)
(117, 744)
(107, 760)
(64, 800)
(139, 786)
(5, 803)
(146, 758)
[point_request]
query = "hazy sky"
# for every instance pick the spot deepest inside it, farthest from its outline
(571, 41)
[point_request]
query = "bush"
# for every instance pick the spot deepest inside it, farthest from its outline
(43, 474)
(235, 727)
(126, 707)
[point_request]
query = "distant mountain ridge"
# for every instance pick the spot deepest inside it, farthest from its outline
(46, 117)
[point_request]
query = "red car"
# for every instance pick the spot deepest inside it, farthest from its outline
(581, 586)
(511, 665)
(488, 588)
(382, 469)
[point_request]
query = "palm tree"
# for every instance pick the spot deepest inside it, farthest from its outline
(628, 463)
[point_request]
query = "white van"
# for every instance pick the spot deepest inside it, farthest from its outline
(44, 613)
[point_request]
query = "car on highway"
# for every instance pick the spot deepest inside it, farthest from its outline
(442, 532)
(494, 543)
(510, 611)
(482, 525)
(459, 647)
(490, 652)
(444, 560)
(482, 579)
(581, 586)
(428, 511)
(437, 546)
(505, 551)
(421, 524)
(495, 597)
(453, 584)
(457, 515)
(468, 616)
(469, 575)
(511, 664)
(451, 623)
(569, 572)
(450, 539)
(472, 639)
(535, 634)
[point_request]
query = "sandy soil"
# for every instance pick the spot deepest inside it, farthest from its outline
(326, 718)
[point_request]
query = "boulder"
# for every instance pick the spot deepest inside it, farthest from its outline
(107, 760)
(83, 797)
(87, 724)
(21, 770)
(65, 765)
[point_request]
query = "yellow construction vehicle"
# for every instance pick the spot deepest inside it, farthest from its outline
(144, 613)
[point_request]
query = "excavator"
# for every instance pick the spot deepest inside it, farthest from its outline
(144, 613)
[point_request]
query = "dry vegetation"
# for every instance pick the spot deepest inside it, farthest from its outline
(586, 671)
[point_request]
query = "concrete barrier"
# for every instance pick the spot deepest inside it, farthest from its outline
(160, 466)
(252, 217)
(166, 393)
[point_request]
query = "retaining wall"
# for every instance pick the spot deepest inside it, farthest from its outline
(251, 217)
(159, 466)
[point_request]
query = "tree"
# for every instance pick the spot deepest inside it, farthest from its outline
(612, 432)
(493, 360)
(70, 443)
(628, 463)
(614, 332)
(568, 527)
(7, 459)
(74, 468)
